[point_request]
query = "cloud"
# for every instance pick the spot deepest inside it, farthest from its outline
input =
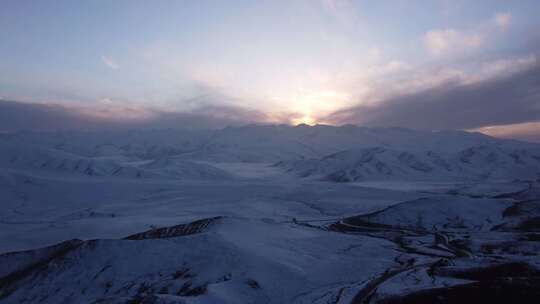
(506, 99)
(529, 131)
(110, 62)
(448, 41)
(499, 67)
(502, 20)
(15, 116)
(18, 116)
(502, 99)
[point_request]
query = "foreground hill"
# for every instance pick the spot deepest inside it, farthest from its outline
(439, 248)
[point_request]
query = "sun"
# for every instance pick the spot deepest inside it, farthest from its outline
(306, 119)
(312, 105)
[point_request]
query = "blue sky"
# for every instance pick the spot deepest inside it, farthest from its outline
(302, 60)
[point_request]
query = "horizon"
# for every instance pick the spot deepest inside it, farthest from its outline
(183, 120)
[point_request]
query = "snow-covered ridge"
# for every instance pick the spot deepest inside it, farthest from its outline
(346, 153)
(224, 264)
(32, 157)
(240, 260)
(481, 162)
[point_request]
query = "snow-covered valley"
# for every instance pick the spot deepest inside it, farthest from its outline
(268, 214)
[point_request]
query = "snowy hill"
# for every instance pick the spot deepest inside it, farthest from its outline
(346, 153)
(442, 213)
(35, 158)
(474, 163)
(223, 261)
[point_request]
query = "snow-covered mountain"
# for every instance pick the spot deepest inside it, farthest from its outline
(255, 214)
(346, 153)
(34, 157)
(251, 143)
(491, 161)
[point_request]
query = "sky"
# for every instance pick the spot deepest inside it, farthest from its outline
(437, 64)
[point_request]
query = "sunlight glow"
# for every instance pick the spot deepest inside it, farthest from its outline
(304, 120)
(312, 106)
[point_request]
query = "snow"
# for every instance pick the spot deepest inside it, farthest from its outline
(476, 163)
(274, 190)
(444, 213)
(285, 264)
